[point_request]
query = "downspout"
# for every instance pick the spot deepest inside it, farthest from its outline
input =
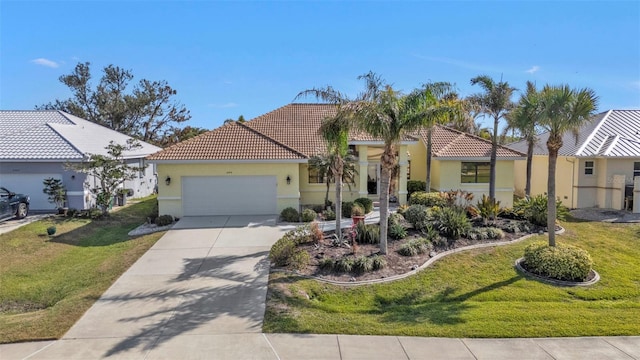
(573, 172)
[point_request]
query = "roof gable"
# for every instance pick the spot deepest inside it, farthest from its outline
(450, 143)
(232, 141)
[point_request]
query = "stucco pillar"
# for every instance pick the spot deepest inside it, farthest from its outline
(363, 170)
(403, 161)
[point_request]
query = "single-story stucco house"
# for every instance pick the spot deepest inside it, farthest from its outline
(597, 170)
(36, 144)
(262, 166)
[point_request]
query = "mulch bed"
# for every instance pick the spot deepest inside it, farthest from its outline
(396, 263)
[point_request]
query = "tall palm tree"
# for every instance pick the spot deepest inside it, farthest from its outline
(562, 109)
(386, 114)
(335, 131)
(525, 118)
(495, 101)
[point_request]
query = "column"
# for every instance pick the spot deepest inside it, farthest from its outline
(403, 161)
(363, 170)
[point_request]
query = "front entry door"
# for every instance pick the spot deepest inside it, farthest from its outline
(373, 179)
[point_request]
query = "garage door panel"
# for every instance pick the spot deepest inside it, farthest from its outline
(229, 195)
(30, 184)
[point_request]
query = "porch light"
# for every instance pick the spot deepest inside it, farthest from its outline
(288, 180)
(168, 180)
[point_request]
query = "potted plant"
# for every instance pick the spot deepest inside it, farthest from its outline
(357, 213)
(122, 196)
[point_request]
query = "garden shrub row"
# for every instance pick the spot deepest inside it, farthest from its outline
(358, 265)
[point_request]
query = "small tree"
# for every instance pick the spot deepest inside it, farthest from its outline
(56, 193)
(110, 171)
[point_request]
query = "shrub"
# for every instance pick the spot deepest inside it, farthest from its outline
(343, 265)
(316, 234)
(362, 264)
(367, 234)
(415, 186)
(397, 231)
(282, 251)
(346, 208)
(395, 218)
(299, 259)
(94, 213)
(378, 262)
(301, 234)
(415, 247)
(495, 233)
(427, 199)
(366, 203)
(308, 215)
(561, 262)
(416, 215)
(488, 208)
(478, 234)
(329, 215)
(402, 209)
(357, 210)
(290, 215)
(164, 220)
(72, 212)
(535, 209)
(326, 264)
(318, 209)
(430, 233)
(452, 222)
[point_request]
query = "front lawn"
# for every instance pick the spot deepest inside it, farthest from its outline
(476, 294)
(47, 283)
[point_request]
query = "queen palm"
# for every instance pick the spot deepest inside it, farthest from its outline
(524, 118)
(495, 101)
(562, 109)
(388, 115)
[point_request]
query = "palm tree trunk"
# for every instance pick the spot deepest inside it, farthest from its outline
(551, 196)
(527, 187)
(384, 208)
(429, 146)
(326, 195)
(338, 180)
(492, 171)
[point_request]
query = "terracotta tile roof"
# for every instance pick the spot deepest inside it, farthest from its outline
(233, 141)
(447, 142)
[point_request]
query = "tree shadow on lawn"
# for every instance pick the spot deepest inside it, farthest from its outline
(440, 309)
(218, 292)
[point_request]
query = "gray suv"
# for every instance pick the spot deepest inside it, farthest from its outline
(13, 205)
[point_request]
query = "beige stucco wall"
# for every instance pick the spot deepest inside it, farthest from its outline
(448, 174)
(313, 194)
(170, 197)
(540, 173)
(418, 158)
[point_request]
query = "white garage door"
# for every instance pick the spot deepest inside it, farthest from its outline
(229, 195)
(29, 184)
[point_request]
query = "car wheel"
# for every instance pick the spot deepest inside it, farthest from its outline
(22, 211)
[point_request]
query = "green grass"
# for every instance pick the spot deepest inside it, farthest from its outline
(476, 294)
(47, 283)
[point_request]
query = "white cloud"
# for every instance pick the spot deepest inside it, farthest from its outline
(533, 69)
(45, 62)
(223, 106)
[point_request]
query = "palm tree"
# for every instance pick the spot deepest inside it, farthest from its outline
(524, 118)
(323, 163)
(495, 101)
(562, 109)
(388, 115)
(335, 131)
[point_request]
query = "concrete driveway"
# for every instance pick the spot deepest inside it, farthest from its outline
(206, 276)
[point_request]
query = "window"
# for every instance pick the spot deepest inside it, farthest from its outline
(314, 176)
(588, 167)
(636, 169)
(475, 172)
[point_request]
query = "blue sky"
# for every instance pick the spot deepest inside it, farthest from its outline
(231, 58)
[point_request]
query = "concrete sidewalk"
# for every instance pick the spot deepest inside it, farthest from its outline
(304, 346)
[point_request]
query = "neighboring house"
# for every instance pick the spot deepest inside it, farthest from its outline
(597, 170)
(35, 145)
(261, 166)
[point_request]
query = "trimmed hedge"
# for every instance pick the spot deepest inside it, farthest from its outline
(561, 262)
(427, 199)
(290, 215)
(308, 215)
(366, 203)
(346, 209)
(415, 185)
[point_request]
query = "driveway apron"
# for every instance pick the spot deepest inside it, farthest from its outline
(206, 276)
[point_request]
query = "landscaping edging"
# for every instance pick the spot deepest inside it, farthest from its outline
(413, 272)
(519, 267)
